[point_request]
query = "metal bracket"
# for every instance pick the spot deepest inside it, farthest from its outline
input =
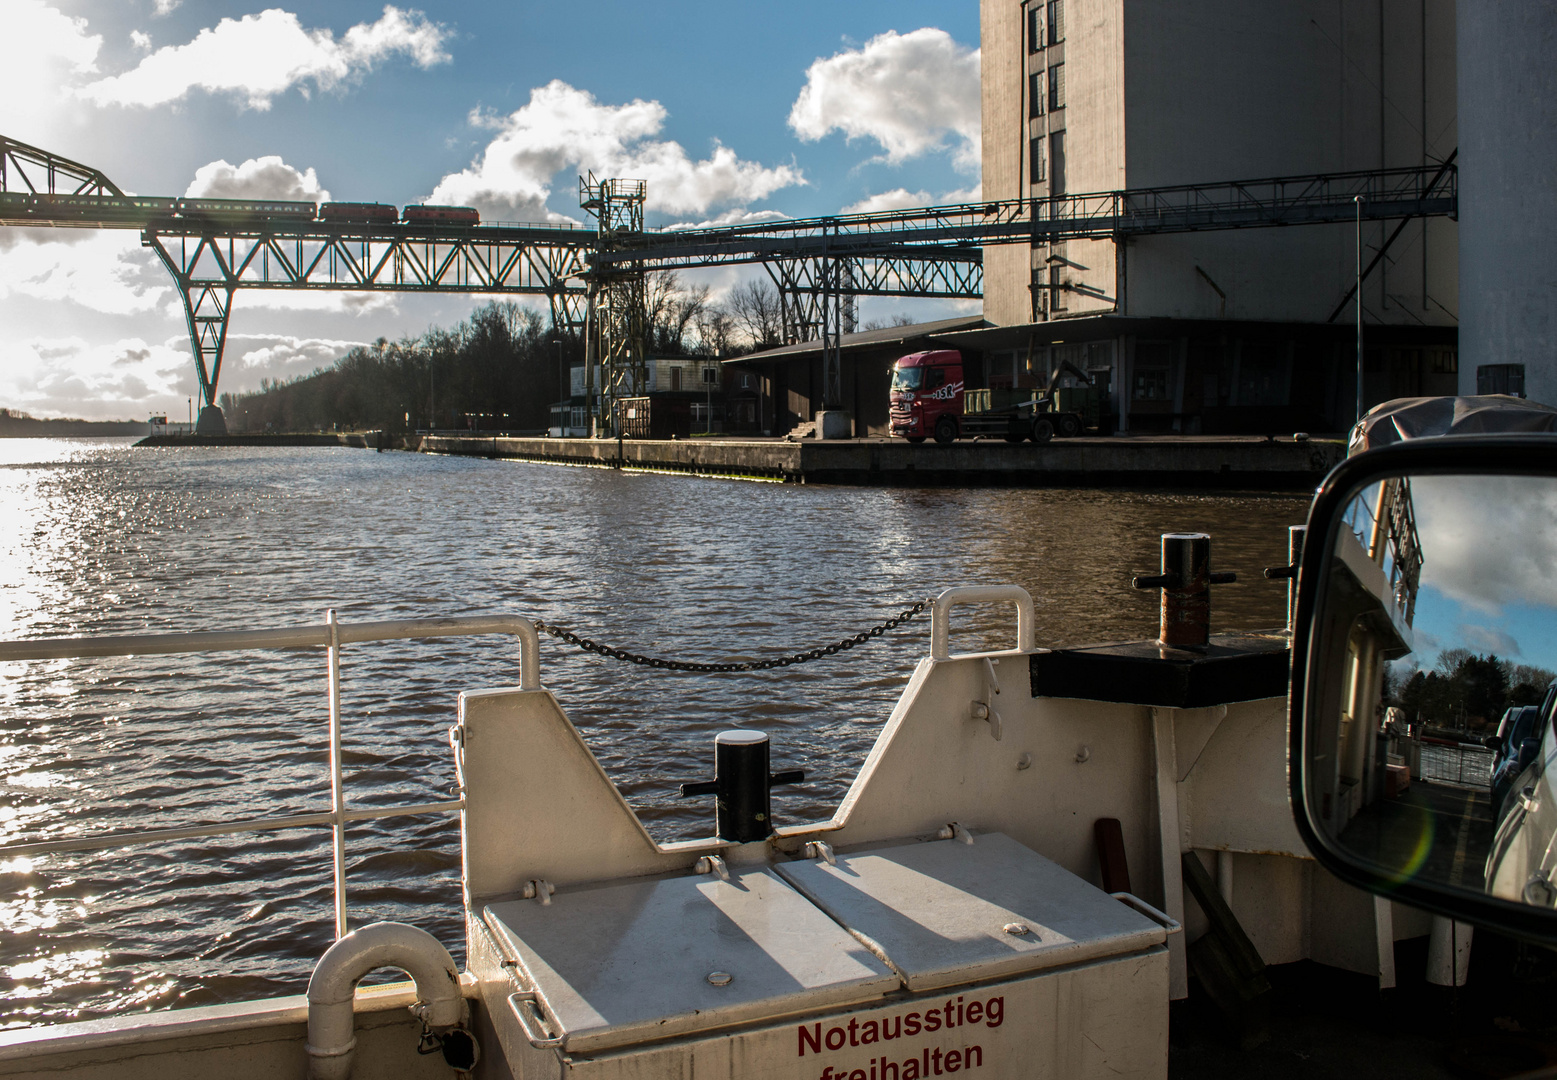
(712, 864)
(1167, 922)
(985, 710)
(955, 831)
(821, 849)
(523, 1003)
(981, 711)
(539, 889)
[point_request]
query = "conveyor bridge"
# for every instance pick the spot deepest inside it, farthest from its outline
(818, 264)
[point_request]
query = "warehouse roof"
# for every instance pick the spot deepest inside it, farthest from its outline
(887, 335)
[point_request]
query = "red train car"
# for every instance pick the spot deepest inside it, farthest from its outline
(426, 213)
(357, 211)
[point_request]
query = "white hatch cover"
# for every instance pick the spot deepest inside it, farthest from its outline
(948, 912)
(647, 960)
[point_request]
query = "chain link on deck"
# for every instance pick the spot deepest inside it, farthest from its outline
(752, 665)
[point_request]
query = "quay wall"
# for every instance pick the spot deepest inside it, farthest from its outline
(1091, 462)
(359, 439)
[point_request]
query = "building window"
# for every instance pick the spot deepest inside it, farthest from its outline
(1035, 28)
(1057, 163)
(1500, 379)
(1035, 94)
(675, 378)
(1036, 164)
(1056, 21)
(1057, 287)
(1264, 373)
(1445, 362)
(1057, 86)
(1152, 360)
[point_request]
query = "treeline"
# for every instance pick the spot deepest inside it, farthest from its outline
(15, 424)
(500, 368)
(502, 361)
(1465, 690)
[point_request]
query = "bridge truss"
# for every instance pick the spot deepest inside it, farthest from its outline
(28, 169)
(211, 261)
(594, 277)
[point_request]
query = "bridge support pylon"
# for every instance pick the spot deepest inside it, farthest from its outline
(207, 306)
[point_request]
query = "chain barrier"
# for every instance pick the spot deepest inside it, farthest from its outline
(752, 665)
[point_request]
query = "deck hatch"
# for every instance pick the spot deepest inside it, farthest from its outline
(627, 963)
(939, 911)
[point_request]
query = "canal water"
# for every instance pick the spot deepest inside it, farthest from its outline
(97, 537)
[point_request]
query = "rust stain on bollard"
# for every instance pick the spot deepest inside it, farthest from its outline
(1185, 581)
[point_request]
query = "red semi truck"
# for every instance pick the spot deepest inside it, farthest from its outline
(930, 398)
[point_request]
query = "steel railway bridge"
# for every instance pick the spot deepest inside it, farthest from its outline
(593, 277)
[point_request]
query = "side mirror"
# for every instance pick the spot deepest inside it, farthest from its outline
(1429, 584)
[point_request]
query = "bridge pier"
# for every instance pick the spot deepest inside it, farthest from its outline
(212, 421)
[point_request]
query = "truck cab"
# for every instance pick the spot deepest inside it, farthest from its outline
(927, 393)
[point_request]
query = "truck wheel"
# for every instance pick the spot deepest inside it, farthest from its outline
(945, 430)
(1043, 430)
(1067, 426)
(914, 438)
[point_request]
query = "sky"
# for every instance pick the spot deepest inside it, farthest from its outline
(1489, 568)
(730, 112)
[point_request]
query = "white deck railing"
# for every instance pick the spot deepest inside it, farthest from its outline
(331, 636)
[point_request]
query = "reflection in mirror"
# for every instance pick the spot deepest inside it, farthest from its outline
(1429, 706)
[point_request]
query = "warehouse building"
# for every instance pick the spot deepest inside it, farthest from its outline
(1220, 331)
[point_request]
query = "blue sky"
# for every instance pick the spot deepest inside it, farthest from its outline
(1489, 568)
(731, 111)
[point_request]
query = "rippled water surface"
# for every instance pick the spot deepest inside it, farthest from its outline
(98, 537)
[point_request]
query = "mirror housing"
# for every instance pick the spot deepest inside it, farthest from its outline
(1326, 620)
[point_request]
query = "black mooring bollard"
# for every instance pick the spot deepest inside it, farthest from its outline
(741, 785)
(1185, 581)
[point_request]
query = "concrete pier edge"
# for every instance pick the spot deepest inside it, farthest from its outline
(1165, 461)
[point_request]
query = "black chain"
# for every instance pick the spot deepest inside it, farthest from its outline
(753, 665)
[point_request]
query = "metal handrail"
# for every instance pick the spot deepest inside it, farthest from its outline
(940, 614)
(332, 635)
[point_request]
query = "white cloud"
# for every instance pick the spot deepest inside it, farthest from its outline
(1488, 541)
(105, 270)
(252, 357)
(123, 379)
(1489, 639)
(314, 300)
(257, 178)
(903, 199)
(165, 7)
(914, 94)
(562, 128)
(896, 199)
(963, 195)
(140, 40)
(259, 57)
(37, 31)
(43, 47)
(737, 216)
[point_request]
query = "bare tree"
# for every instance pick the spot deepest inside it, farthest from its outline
(716, 330)
(882, 324)
(672, 309)
(758, 312)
